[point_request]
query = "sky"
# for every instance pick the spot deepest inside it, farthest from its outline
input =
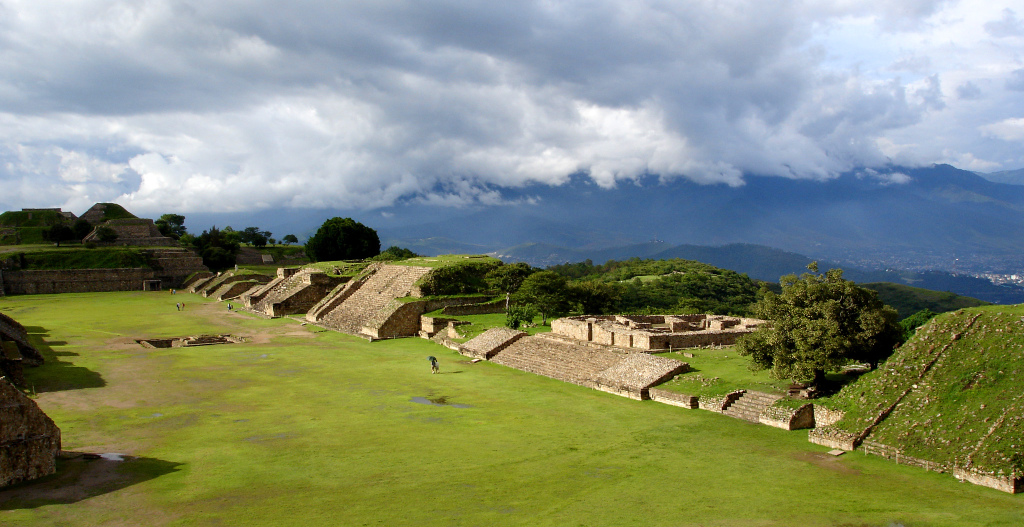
(245, 105)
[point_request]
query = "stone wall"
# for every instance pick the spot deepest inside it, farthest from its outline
(788, 418)
(488, 308)
(833, 438)
(1004, 483)
(826, 416)
(674, 398)
(29, 440)
(39, 282)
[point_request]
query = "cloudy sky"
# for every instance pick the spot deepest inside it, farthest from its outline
(229, 105)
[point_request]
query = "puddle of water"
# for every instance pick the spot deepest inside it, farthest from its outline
(112, 456)
(438, 401)
(157, 415)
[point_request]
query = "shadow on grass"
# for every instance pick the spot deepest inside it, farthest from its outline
(79, 478)
(55, 374)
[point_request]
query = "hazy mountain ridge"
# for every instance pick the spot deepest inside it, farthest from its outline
(935, 217)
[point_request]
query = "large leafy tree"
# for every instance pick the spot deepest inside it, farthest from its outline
(342, 239)
(59, 233)
(171, 225)
(254, 236)
(218, 248)
(818, 323)
(508, 278)
(545, 291)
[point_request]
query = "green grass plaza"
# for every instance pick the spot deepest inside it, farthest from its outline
(298, 425)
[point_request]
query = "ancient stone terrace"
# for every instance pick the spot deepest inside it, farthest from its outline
(29, 440)
(490, 342)
(655, 332)
(627, 374)
(295, 294)
(365, 304)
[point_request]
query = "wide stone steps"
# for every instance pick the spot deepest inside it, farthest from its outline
(550, 358)
(750, 405)
(375, 294)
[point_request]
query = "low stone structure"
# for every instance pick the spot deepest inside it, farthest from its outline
(29, 440)
(602, 368)
(490, 342)
(655, 332)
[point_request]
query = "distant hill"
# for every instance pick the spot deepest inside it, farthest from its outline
(909, 300)
(1010, 177)
(768, 264)
(935, 217)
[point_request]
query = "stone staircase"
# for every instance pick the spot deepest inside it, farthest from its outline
(558, 360)
(750, 405)
(365, 304)
(295, 294)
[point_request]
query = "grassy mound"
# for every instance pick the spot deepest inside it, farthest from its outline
(950, 395)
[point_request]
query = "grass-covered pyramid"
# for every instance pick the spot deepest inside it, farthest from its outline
(950, 399)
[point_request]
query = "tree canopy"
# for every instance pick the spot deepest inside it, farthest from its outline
(545, 291)
(342, 239)
(171, 225)
(818, 323)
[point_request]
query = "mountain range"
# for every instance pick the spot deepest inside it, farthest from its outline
(936, 217)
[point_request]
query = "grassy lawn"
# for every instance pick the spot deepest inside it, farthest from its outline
(301, 426)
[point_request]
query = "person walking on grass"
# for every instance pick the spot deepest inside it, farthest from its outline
(433, 364)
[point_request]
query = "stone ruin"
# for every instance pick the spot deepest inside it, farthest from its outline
(15, 350)
(655, 332)
(294, 291)
(29, 440)
(598, 367)
(188, 342)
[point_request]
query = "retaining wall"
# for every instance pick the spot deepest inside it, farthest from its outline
(39, 282)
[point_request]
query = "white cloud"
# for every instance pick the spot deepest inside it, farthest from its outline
(185, 106)
(1007, 129)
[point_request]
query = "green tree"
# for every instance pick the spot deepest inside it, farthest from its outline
(394, 253)
(171, 225)
(818, 323)
(545, 291)
(106, 234)
(911, 323)
(590, 297)
(508, 278)
(82, 228)
(254, 236)
(289, 239)
(342, 239)
(59, 233)
(218, 248)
